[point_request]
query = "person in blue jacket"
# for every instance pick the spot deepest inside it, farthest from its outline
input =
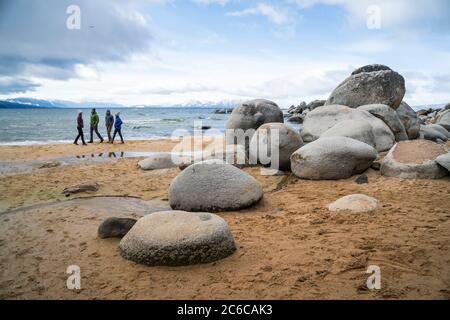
(118, 128)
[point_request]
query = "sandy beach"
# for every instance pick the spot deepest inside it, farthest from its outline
(289, 246)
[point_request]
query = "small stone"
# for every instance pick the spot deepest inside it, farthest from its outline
(362, 179)
(89, 186)
(376, 166)
(115, 227)
(355, 203)
(50, 164)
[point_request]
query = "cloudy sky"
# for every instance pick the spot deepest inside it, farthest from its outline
(162, 52)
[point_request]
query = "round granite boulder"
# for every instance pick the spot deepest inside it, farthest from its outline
(390, 117)
(248, 117)
(287, 141)
(414, 159)
(213, 186)
(373, 84)
(332, 158)
(355, 203)
(360, 130)
(323, 118)
(409, 119)
(163, 160)
(176, 238)
(115, 227)
(433, 132)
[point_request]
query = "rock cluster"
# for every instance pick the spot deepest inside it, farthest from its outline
(297, 114)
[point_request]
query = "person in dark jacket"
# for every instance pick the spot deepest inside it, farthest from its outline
(109, 122)
(118, 128)
(94, 126)
(80, 126)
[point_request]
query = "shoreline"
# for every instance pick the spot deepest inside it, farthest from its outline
(51, 151)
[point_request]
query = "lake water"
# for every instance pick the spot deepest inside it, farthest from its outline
(39, 126)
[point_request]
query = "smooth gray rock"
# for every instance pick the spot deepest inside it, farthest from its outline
(355, 203)
(251, 115)
(115, 227)
(444, 161)
(88, 186)
(444, 119)
(323, 118)
(176, 238)
(409, 119)
(429, 132)
(332, 158)
(370, 85)
(440, 129)
(211, 186)
(360, 130)
(288, 141)
(315, 104)
(414, 159)
(158, 161)
(390, 117)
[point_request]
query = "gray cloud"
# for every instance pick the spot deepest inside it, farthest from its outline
(9, 85)
(40, 45)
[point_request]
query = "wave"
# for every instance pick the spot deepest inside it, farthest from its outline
(34, 142)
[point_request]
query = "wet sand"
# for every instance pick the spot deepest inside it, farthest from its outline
(289, 245)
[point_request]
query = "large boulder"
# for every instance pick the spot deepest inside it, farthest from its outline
(444, 161)
(212, 186)
(115, 227)
(429, 132)
(409, 119)
(444, 119)
(355, 203)
(251, 115)
(176, 238)
(287, 141)
(360, 130)
(414, 159)
(332, 158)
(323, 118)
(373, 84)
(390, 117)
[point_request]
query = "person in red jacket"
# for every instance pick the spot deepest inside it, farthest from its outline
(80, 126)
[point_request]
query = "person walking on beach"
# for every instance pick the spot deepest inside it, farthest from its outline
(94, 126)
(118, 128)
(80, 126)
(109, 122)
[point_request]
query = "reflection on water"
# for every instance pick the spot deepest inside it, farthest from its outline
(7, 167)
(120, 154)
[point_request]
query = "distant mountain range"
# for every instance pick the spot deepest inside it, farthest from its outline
(38, 103)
